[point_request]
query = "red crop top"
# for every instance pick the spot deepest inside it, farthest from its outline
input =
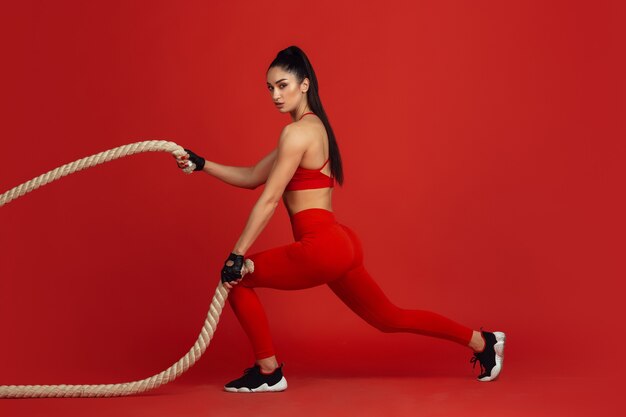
(304, 179)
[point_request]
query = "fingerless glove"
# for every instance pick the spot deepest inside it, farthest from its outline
(196, 159)
(233, 272)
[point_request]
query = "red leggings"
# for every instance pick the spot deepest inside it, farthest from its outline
(327, 252)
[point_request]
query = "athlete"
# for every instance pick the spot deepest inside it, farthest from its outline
(302, 171)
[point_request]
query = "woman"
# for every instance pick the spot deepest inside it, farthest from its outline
(325, 251)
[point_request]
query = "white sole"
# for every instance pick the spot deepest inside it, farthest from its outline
(499, 348)
(279, 386)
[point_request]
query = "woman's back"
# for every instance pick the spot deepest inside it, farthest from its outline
(315, 156)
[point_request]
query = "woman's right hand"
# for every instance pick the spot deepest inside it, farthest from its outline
(182, 161)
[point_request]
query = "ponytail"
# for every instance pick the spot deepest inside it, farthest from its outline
(293, 59)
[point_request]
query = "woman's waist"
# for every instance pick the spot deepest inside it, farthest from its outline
(298, 200)
(311, 220)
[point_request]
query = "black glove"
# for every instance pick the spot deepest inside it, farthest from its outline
(196, 159)
(233, 272)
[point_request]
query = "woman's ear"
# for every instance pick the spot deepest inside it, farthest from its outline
(304, 87)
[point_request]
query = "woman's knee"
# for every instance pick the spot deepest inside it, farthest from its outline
(386, 324)
(386, 317)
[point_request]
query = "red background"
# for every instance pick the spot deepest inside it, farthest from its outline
(483, 149)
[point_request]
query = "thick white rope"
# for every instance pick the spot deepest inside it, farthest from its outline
(210, 324)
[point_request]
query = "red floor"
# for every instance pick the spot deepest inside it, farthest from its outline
(522, 390)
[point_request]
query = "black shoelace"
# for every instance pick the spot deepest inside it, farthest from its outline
(475, 359)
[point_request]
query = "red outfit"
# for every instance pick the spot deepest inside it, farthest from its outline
(327, 252)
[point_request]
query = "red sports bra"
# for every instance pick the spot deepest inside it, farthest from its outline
(304, 179)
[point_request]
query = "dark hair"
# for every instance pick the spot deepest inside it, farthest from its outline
(293, 59)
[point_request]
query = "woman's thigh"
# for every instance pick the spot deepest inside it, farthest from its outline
(315, 260)
(282, 268)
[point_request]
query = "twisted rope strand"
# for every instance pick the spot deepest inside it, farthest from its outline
(210, 324)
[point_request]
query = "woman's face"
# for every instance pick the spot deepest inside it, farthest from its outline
(284, 89)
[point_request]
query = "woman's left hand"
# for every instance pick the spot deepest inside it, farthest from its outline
(231, 284)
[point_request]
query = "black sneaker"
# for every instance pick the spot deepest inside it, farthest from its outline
(253, 380)
(492, 356)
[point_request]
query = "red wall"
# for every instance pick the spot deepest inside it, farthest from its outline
(483, 149)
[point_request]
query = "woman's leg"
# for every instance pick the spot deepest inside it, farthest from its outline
(299, 265)
(358, 290)
(250, 313)
(322, 258)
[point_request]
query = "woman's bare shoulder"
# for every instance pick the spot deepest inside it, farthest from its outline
(298, 130)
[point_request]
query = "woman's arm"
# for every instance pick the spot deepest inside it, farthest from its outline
(244, 177)
(289, 153)
(237, 176)
(261, 170)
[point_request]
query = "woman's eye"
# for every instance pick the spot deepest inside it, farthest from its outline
(283, 85)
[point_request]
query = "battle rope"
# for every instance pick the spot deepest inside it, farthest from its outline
(210, 324)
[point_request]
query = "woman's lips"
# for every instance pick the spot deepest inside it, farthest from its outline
(278, 104)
